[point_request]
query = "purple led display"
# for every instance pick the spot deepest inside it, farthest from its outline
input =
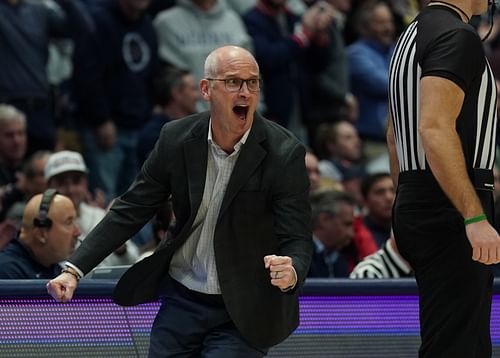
(338, 326)
(359, 315)
(82, 321)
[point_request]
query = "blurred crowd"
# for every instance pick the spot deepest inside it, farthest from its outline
(86, 86)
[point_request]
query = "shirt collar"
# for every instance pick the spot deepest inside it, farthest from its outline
(321, 249)
(237, 145)
(319, 245)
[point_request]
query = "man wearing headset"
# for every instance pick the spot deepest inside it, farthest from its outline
(48, 236)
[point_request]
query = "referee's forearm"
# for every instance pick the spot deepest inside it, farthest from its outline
(448, 167)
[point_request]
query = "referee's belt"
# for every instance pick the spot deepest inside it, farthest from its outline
(482, 179)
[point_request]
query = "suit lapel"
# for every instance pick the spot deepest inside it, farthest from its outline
(250, 157)
(195, 156)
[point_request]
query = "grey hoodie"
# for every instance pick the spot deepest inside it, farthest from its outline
(186, 34)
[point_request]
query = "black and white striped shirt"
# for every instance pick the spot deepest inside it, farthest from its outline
(385, 263)
(438, 43)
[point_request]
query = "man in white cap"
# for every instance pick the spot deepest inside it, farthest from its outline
(66, 172)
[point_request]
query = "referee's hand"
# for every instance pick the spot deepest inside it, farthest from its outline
(485, 242)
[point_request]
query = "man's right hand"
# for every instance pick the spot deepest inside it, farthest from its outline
(62, 287)
(485, 242)
(318, 17)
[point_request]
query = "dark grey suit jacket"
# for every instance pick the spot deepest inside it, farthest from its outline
(265, 211)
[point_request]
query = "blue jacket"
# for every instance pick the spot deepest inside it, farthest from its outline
(149, 135)
(17, 262)
(26, 30)
(283, 60)
(114, 69)
(369, 77)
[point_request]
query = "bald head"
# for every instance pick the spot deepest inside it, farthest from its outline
(54, 244)
(222, 55)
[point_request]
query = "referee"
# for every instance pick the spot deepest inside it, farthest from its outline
(441, 139)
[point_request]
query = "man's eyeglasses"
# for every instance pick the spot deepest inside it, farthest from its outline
(236, 84)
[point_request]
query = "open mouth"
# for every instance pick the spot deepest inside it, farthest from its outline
(241, 111)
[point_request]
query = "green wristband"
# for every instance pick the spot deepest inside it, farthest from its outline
(475, 219)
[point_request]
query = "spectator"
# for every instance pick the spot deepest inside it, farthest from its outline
(312, 168)
(13, 143)
(189, 31)
(385, 263)
(67, 173)
(378, 197)
(339, 148)
(336, 251)
(26, 29)
(331, 98)
(48, 236)
(34, 173)
(30, 181)
(114, 71)
(286, 47)
(175, 94)
(369, 59)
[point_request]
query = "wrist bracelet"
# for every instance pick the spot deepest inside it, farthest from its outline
(71, 272)
(475, 219)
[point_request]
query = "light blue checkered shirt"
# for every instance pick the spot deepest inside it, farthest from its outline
(193, 264)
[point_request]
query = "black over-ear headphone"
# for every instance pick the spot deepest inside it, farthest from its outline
(43, 220)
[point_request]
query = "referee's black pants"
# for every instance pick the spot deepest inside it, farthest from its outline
(455, 291)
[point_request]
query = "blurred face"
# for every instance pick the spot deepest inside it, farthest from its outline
(13, 142)
(312, 170)
(187, 94)
(231, 112)
(347, 145)
(72, 184)
(338, 230)
(381, 25)
(63, 234)
(35, 180)
(380, 199)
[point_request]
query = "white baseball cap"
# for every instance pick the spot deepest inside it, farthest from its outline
(64, 161)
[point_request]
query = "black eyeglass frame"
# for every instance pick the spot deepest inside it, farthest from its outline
(225, 80)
